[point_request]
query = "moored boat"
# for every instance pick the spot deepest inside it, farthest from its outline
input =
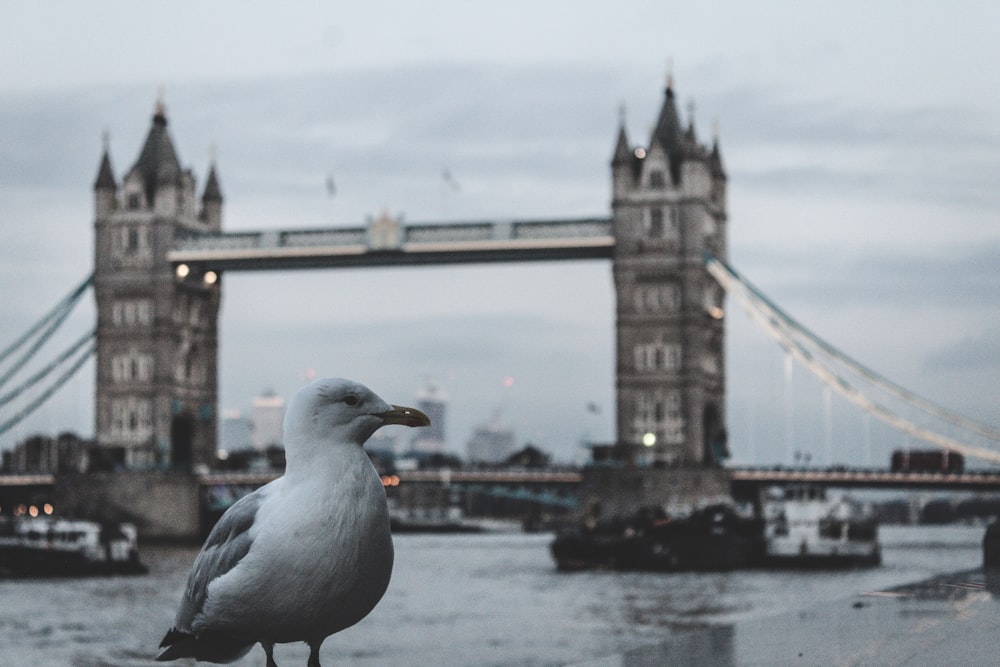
(50, 546)
(803, 527)
(716, 537)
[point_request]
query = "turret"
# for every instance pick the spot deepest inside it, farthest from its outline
(718, 172)
(623, 172)
(211, 201)
(105, 187)
(154, 180)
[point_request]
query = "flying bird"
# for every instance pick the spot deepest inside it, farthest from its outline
(306, 555)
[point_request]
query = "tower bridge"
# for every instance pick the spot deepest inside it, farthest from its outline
(161, 252)
(160, 255)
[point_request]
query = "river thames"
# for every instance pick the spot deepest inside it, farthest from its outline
(462, 600)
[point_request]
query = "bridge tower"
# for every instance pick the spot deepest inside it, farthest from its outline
(668, 208)
(156, 376)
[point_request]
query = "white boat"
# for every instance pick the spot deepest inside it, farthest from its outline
(803, 527)
(50, 546)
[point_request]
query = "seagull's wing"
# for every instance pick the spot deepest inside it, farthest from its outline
(226, 546)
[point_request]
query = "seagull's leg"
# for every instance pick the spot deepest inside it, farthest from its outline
(269, 652)
(314, 653)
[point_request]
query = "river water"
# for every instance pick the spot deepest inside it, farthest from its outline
(460, 600)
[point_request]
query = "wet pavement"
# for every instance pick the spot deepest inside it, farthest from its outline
(948, 620)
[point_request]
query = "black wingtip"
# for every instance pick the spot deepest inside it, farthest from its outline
(173, 645)
(213, 648)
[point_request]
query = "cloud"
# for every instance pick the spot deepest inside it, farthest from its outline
(979, 352)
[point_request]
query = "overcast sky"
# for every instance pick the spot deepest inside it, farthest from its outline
(861, 142)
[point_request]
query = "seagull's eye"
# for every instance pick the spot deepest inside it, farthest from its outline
(351, 400)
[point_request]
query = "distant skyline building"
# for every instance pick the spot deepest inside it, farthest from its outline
(491, 443)
(433, 401)
(267, 415)
(235, 432)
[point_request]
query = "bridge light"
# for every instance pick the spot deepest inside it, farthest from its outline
(640, 153)
(211, 277)
(716, 313)
(182, 271)
(649, 439)
(47, 508)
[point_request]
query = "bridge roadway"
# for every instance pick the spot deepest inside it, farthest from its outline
(385, 242)
(987, 480)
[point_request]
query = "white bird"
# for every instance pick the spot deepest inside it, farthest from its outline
(306, 555)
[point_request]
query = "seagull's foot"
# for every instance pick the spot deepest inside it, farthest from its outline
(314, 655)
(269, 652)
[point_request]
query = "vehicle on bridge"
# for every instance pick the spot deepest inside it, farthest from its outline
(927, 460)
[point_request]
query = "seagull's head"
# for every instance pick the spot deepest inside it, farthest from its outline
(337, 411)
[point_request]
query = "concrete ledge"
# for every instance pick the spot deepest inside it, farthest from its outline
(164, 506)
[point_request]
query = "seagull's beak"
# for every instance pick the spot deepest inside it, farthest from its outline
(404, 416)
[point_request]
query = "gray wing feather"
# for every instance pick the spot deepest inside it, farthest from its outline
(226, 546)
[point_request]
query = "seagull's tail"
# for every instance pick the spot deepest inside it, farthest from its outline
(179, 644)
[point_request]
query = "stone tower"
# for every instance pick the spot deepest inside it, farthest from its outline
(156, 328)
(669, 208)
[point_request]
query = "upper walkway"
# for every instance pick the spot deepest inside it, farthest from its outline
(387, 242)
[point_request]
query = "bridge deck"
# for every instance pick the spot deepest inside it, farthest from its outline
(386, 243)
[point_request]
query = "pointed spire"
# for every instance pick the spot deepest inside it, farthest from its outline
(213, 193)
(715, 157)
(623, 153)
(157, 162)
(668, 126)
(105, 174)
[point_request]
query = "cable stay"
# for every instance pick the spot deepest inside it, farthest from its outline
(66, 302)
(784, 319)
(788, 333)
(41, 375)
(44, 396)
(47, 325)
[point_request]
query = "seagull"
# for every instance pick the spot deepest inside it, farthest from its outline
(305, 555)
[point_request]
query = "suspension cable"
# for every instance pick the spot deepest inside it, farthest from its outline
(785, 331)
(44, 396)
(50, 322)
(40, 375)
(726, 276)
(66, 302)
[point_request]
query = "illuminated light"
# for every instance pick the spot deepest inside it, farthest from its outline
(211, 277)
(183, 270)
(47, 508)
(640, 153)
(32, 511)
(20, 509)
(394, 480)
(716, 313)
(649, 439)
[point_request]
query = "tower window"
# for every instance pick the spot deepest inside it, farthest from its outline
(656, 179)
(658, 298)
(659, 413)
(655, 230)
(657, 356)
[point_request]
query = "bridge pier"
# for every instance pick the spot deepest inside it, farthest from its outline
(163, 505)
(612, 491)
